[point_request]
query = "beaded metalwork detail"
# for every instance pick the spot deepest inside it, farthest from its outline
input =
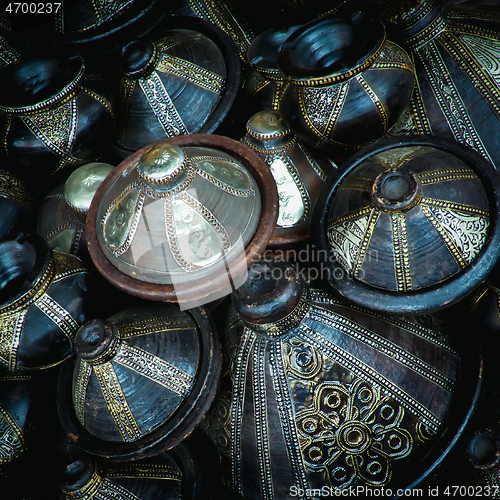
(449, 99)
(478, 57)
(14, 189)
(427, 34)
(10, 336)
(290, 321)
(80, 394)
(393, 57)
(271, 151)
(8, 54)
(190, 210)
(192, 73)
(435, 176)
(160, 324)
(352, 432)
(462, 233)
(237, 401)
(377, 342)
(155, 369)
(320, 297)
(261, 419)
(350, 238)
(66, 265)
(287, 414)
(107, 9)
(401, 253)
(370, 375)
(59, 315)
(56, 129)
(143, 470)
(127, 87)
(162, 105)
(376, 102)
(12, 443)
(321, 107)
(116, 402)
(204, 168)
(100, 100)
(101, 488)
(416, 105)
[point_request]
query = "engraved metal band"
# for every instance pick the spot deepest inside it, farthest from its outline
(14, 189)
(162, 105)
(158, 324)
(436, 176)
(370, 375)
(273, 151)
(401, 322)
(67, 91)
(376, 102)
(149, 67)
(59, 315)
(287, 417)
(142, 470)
(314, 165)
(12, 442)
(449, 99)
(100, 100)
(292, 170)
(428, 34)
(10, 337)
(381, 344)
(80, 394)
(189, 171)
(290, 321)
(261, 419)
(88, 491)
(66, 265)
(242, 358)
(7, 53)
(336, 78)
(117, 403)
(155, 369)
(192, 73)
(401, 252)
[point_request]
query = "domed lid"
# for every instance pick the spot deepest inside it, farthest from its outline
(38, 80)
(140, 380)
(356, 397)
(265, 126)
(410, 225)
(180, 211)
(82, 184)
(331, 49)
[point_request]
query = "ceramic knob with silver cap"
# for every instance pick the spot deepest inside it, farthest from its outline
(299, 174)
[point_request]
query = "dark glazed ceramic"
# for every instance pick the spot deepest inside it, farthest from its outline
(347, 84)
(141, 382)
(455, 52)
(318, 392)
(410, 226)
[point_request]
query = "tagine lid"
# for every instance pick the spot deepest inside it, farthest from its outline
(410, 225)
(169, 219)
(39, 79)
(141, 380)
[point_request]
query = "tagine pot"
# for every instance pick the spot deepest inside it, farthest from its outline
(347, 84)
(42, 305)
(183, 82)
(299, 175)
(140, 382)
(176, 218)
(455, 52)
(63, 211)
(318, 392)
(56, 117)
(410, 226)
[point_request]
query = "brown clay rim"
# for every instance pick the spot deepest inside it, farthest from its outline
(213, 283)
